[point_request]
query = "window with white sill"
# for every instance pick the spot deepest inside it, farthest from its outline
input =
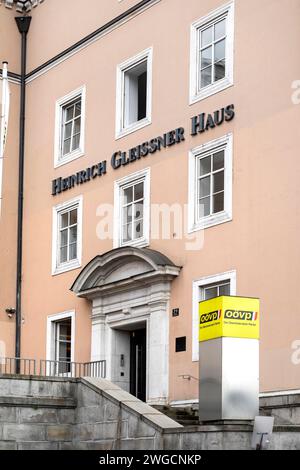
(60, 343)
(134, 86)
(210, 184)
(70, 127)
(132, 210)
(67, 236)
(212, 49)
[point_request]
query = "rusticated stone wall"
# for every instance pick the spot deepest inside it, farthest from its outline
(94, 414)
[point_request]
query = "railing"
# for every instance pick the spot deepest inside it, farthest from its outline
(47, 368)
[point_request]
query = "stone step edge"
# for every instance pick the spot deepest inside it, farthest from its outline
(115, 394)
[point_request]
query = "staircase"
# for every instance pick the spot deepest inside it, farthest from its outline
(284, 408)
(184, 416)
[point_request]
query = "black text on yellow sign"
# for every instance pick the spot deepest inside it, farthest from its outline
(236, 317)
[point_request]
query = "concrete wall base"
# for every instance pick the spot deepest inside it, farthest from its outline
(39, 413)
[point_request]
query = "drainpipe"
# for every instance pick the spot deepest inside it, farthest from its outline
(23, 23)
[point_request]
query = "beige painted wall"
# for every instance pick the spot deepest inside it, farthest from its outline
(261, 243)
(9, 40)
(63, 22)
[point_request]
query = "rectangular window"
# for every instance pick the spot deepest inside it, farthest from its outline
(205, 289)
(212, 53)
(69, 127)
(210, 184)
(68, 229)
(212, 60)
(135, 94)
(67, 235)
(134, 85)
(216, 290)
(60, 343)
(132, 210)
(63, 344)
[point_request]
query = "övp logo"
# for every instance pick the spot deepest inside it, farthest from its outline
(240, 315)
(210, 317)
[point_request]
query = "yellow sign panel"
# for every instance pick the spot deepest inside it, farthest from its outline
(235, 317)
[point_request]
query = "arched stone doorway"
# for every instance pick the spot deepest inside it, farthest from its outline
(130, 292)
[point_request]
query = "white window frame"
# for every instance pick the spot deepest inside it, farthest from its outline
(50, 333)
(196, 94)
(201, 283)
(121, 130)
(58, 268)
(119, 184)
(225, 142)
(59, 158)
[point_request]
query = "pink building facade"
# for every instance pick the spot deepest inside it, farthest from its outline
(161, 169)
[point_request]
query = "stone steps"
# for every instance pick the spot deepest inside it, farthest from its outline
(284, 408)
(184, 416)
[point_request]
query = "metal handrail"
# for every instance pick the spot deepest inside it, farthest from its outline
(188, 377)
(49, 368)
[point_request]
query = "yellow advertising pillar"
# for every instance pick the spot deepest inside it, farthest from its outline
(229, 358)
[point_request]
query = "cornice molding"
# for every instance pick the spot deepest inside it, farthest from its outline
(107, 28)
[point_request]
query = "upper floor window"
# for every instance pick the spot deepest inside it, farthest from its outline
(69, 127)
(67, 228)
(68, 232)
(212, 53)
(134, 85)
(210, 184)
(132, 210)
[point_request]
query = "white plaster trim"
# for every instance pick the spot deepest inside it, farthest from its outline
(196, 94)
(15, 81)
(60, 160)
(139, 307)
(225, 142)
(135, 303)
(139, 175)
(183, 403)
(204, 281)
(74, 264)
(91, 41)
(121, 130)
(279, 393)
(51, 319)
